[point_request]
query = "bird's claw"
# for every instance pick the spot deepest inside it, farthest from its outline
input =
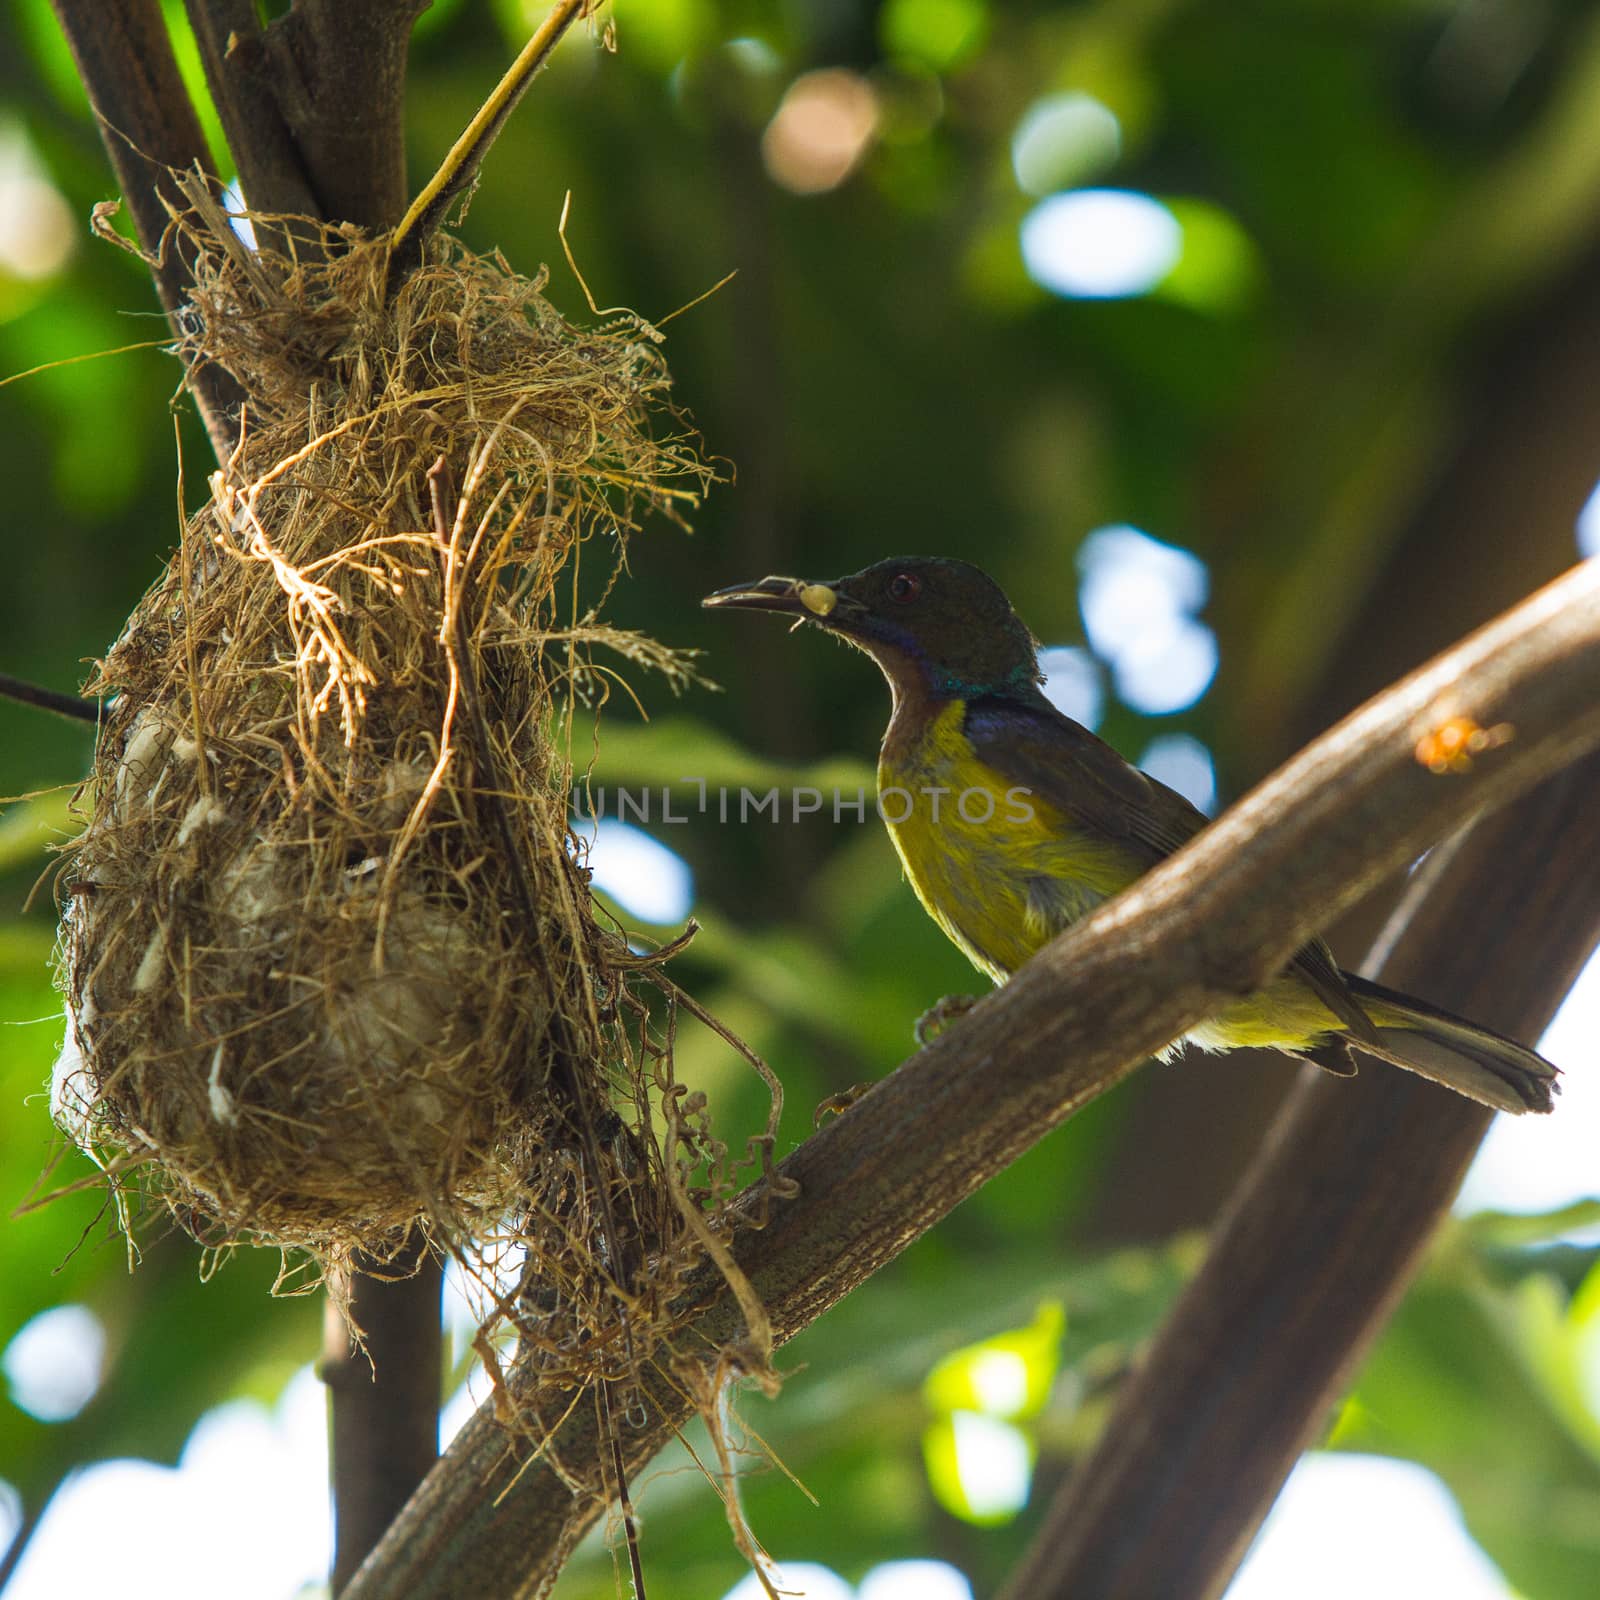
(938, 1017)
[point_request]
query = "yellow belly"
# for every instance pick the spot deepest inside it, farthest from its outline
(1285, 1015)
(1002, 873)
(996, 867)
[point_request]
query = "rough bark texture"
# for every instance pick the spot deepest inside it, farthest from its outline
(314, 103)
(272, 172)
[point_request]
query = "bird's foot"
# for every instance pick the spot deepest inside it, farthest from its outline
(938, 1017)
(837, 1104)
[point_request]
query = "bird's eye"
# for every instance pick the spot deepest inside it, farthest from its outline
(905, 587)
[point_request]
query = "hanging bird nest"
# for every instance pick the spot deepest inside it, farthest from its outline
(332, 968)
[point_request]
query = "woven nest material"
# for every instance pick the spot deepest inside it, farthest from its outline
(331, 964)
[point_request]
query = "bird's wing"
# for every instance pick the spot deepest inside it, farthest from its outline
(1038, 749)
(1067, 767)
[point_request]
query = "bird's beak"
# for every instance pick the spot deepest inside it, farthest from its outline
(793, 597)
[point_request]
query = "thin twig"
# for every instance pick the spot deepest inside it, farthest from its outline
(459, 169)
(72, 706)
(619, 1486)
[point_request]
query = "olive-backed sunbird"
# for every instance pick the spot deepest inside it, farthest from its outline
(1064, 822)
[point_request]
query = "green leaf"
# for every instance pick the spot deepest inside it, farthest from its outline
(1009, 1376)
(980, 1468)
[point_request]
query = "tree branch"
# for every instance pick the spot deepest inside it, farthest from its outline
(72, 706)
(459, 170)
(272, 173)
(1522, 452)
(384, 1399)
(149, 129)
(1326, 1230)
(337, 75)
(1205, 927)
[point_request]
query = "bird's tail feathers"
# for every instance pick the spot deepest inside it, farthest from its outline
(1473, 1061)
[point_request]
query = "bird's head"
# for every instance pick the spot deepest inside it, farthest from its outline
(941, 626)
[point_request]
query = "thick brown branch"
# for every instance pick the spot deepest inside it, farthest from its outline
(338, 70)
(1523, 453)
(339, 67)
(1209, 925)
(271, 171)
(385, 1399)
(125, 60)
(1326, 1230)
(314, 105)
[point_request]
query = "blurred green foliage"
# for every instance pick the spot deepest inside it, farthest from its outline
(1374, 195)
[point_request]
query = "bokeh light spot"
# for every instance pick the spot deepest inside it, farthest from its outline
(1589, 525)
(1533, 1164)
(1100, 244)
(1063, 139)
(938, 33)
(233, 204)
(1138, 597)
(1412, 1542)
(1219, 268)
(1583, 1317)
(1183, 763)
(37, 228)
(753, 55)
(469, 1298)
(915, 1580)
(640, 873)
(1072, 684)
(245, 1514)
(807, 1579)
(1008, 1376)
(10, 1513)
(1169, 668)
(1167, 575)
(995, 1465)
(1000, 1380)
(53, 1363)
(820, 131)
